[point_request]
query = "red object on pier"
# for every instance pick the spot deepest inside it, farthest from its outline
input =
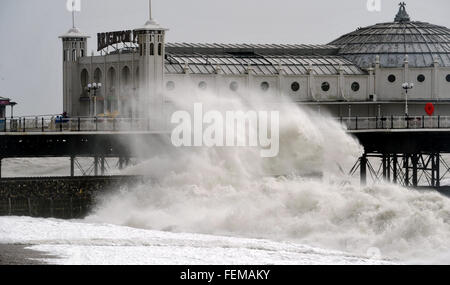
(429, 108)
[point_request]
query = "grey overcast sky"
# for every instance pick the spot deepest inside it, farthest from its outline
(31, 56)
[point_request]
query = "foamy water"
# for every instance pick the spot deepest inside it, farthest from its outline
(234, 192)
(82, 243)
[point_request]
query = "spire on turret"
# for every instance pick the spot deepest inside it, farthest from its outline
(402, 15)
(151, 24)
(73, 14)
(74, 32)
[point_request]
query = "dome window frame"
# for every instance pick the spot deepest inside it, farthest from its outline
(421, 78)
(234, 86)
(170, 85)
(295, 86)
(392, 78)
(355, 86)
(265, 86)
(325, 86)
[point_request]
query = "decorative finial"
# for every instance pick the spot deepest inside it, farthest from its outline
(402, 15)
(150, 9)
(73, 14)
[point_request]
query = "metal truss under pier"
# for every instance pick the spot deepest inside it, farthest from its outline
(411, 158)
(97, 145)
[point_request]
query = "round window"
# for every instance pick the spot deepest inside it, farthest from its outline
(392, 78)
(326, 86)
(421, 78)
(170, 85)
(202, 85)
(295, 86)
(265, 86)
(448, 78)
(234, 86)
(355, 86)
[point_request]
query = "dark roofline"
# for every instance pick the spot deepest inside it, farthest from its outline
(249, 49)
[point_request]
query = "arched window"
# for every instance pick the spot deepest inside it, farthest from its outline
(98, 75)
(82, 53)
(111, 91)
(159, 49)
(84, 80)
(145, 50)
(125, 80)
(137, 80)
(152, 49)
(98, 78)
(74, 55)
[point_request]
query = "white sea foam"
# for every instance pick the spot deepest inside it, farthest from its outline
(235, 192)
(81, 243)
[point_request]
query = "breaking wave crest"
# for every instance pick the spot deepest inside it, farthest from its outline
(235, 192)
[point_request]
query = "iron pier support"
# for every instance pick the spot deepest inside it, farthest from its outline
(72, 166)
(363, 168)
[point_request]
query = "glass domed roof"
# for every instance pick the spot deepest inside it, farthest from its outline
(424, 43)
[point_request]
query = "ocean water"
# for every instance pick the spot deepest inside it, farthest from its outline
(272, 211)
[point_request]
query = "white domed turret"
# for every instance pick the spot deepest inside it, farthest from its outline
(422, 42)
(74, 47)
(151, 40)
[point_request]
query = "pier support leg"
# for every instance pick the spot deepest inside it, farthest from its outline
(433, 170)
(438, 170)
(96, 166)
(103, 169)
(395, 174)
(415, 160)
(72, 166)
(406, 166)
(363, 168)
(121, 161)
(388, 167)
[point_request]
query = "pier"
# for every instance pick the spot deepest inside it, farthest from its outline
(96, 138)
(409, 151)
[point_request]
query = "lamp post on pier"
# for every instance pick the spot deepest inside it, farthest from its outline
(407, 86)
(93, 88)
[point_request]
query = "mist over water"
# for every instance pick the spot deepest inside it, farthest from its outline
(302, 195)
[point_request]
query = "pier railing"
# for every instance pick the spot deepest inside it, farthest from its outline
(395, 122)
(60, 124)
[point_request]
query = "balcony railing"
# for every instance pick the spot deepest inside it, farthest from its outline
(395, 122)
(58, 124)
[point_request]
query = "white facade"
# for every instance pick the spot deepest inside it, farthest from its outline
(136, 80)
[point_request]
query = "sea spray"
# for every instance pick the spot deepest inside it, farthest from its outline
(233, 191)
